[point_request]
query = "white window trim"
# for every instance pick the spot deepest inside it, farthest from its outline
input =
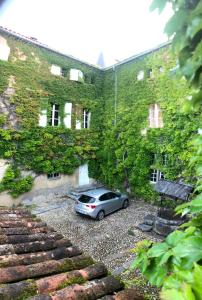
(159, 175)
(53, 110)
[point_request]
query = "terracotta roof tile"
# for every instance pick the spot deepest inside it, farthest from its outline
(38, 263)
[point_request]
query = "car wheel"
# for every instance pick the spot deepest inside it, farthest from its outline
(100, 215)
(125, 204)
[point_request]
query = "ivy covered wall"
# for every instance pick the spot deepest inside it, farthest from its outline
(120, 147)
(50, 149)
(131, 151)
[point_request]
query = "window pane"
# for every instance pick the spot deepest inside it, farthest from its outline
(56, 114)
(56, 122)
(104, 197)
(153, 177)
(112, 195)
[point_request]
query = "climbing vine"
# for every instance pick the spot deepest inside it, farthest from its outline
(118, 152)
(128, 144)
(27, 87)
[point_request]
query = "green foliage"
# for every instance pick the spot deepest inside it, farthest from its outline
(173, 264)
(51, 149)
(14, 183)
(176, 264)
(126, 154)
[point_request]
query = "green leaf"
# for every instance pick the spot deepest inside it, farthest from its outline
(177, 21)
(172, 294)
(158, 4)
(195, 27)
(197, 285)
(165, 257)
(190, 248)
(158, 249)
(172, 282)
(156, 275)
(188, 294)
(175, 237)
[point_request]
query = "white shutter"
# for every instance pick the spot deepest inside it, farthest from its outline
(4, 49)
(78, 124)
(89, 118)
(151, 116)
(68, 115)
(43, 118)
(56, 70)
(76, 75)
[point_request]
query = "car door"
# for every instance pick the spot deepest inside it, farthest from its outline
(114, 201)
(105, 203)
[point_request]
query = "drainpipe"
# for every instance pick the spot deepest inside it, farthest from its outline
(115, 94)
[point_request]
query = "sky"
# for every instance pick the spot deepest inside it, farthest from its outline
(85, 28)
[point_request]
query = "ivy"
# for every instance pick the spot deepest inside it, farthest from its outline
(180, 254)
(28, 147)
(125, 154)
(15, 184)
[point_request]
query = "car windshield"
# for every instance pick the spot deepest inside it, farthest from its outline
(86, 199)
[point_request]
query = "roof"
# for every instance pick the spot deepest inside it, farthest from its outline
(34, 41)
(96, 192)
(139, 55)
(36, 262)
(173, 189)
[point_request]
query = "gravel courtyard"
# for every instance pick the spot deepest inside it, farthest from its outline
(107, 240)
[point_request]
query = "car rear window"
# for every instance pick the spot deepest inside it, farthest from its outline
(86, 199)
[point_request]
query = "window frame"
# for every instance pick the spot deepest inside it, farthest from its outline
(86, 118)
(53, 176)
(53, 117)
(157, 174)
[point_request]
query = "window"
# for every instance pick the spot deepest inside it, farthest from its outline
(86, 118)
(86, 199)
(140, 75)
(76, 75)
(156, 175)
(112, 195)
(155, 116)
(54, 119)
(56, 70)
(64, 72)
(4, 49)
(104, 197)
(53, 176)
(150, 73)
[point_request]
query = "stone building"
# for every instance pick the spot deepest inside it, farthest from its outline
(49, 93)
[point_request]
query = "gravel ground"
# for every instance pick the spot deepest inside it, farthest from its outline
(107, 240)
